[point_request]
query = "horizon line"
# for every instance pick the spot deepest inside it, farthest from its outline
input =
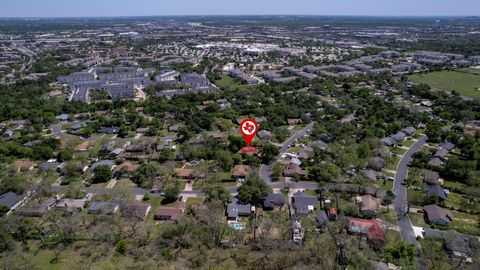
(238, 15)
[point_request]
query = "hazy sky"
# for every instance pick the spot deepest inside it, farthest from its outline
(80, 8)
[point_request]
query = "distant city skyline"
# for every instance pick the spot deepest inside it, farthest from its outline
(111, 8)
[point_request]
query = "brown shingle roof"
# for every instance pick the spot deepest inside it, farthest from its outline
(240, 171)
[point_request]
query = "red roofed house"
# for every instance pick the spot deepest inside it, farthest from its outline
(184, 173)
(372, 228)
(170, 213)
(332, 214)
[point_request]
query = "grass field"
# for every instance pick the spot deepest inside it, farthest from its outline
(464, 81)
(229, 83)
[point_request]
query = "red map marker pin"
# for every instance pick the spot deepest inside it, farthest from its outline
(248, 128)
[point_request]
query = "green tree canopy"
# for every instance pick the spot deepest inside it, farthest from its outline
(102, 174)
(253, 191)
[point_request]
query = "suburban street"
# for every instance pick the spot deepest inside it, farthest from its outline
(400, 202)
(266, 169)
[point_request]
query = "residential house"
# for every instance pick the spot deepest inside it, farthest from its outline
(136, 210)
(319, 144)
(185, 173)
(294, 121)
(441, 154)
(458, 245)
(368, 205)
(116, 152)
(398, 137)
(274, 200)
(264, 135)
(126, 167)
(173, 128)
(322, 219)
(108, 163)
(306, 153)
(370, 227)
(71, 204)
(7, 134)
(437, 215)
(167, 213)
(447, 146)
(371, 174)
(437, 191)
(62, 117)
(38, 210)
(430, 177)
(304, 204)
(409, 131)
(236, 210)
(49, 166)
(388, 141)
(11, 200)
(294, 170)
(435, 162)
(23, 165)
(240, 172)
(107, 208)
(109, 130)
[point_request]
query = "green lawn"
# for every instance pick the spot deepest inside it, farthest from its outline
(311, 192)
(417, 219)
(463, 82)
(393, 164)
(192, 201)
(465, 223)
(399, 151)
(388, 216)
(229, 83)
(408, 143)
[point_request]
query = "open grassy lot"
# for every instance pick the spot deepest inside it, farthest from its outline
(462, 81)
(465, 223)
(229, 83)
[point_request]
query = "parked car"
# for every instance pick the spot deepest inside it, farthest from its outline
(157, 191)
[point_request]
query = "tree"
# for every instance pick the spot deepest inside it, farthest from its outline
(3, 210)
(253, 191)
(216, 193)
(401, 253)
(326, 171)
(277, 171)
(121, 247)
(65, 155)
(102, 174)
(123, 132)
(225, 160)
(6, 241)
(13, 183)
(269, 152)
(388, 199)
(171, 193)
(145, 175)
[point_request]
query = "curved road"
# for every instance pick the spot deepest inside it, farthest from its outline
(401, 203)
(266, 169)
